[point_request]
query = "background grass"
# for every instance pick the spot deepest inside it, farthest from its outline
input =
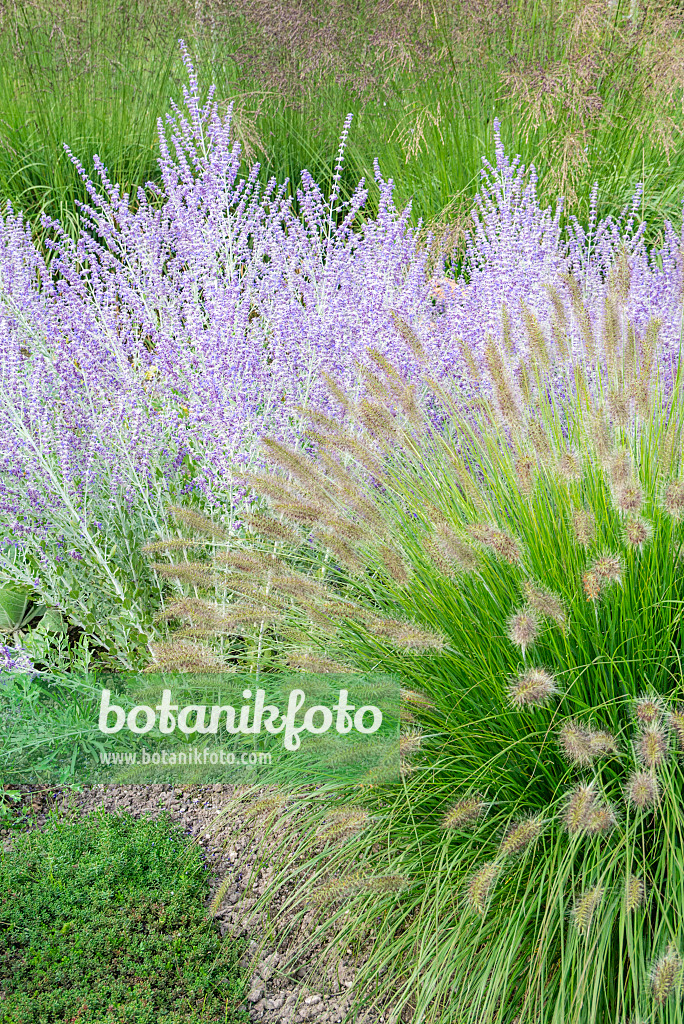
(590, 92)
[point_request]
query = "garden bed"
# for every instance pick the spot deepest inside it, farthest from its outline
(235, 844)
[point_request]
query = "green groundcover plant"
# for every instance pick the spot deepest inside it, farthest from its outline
(103, 921)
(520, 569)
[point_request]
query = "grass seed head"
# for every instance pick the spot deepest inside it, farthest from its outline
(273, 529)
(642, 790)
(581, 804)
(601, 742)
(198, 573)
(480, 887)
(305, 661)
(673, 499)
(464, 812)
(608, 568)
(524, 468)
(585, 908)
(523, 628)
(395, 565)
(343, 822)
(676, 723)
(183, 656)
(545, 603)
(602, 819)
(584, 526)
(534, 687)
(569, 466)
(410, 742)
(171, 544)
(648, 710)
(592, 586)
(378, 420)
(652, 747)
(407, 635)
(638, 532)
(635, 892)
(503, 544)
(620, 468)
(416, 700)
(629, 497)
(454, 549)
(665, 975)
(197, 522)
(521, 835)
(575, 741)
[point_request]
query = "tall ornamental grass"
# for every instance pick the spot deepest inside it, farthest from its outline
(589, 91)
(517, 562)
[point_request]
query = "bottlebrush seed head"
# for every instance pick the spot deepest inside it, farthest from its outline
(523, 628)
(629, 498)
(343, 821)
(307, 662)
(416, 700)
(198, 573)
(601, 742)
(585, 908)
(378, 420)
(575, 741)
(395, 565)
(665, 975)
(409, 336)
(652, 747)
(524, 474)
(196, 521)
(535, 687)
(547, 604)
(620, 468)
(642, 790)
(584, 526)
(602, 819)
(637, 531)
(455, 552)
(410, 743)
(499, 541)
(480, 887)
(504, 390)
(521, 835)
(676, 722)
(648, 710)
(635, 892)
(183, 656)
(581, 803)
(592, 586)
(569, 466)
(608, 568)
(171, 544)
(602, 438)
(273, 529)
(673, 499)
(464, 812)
(619, 404)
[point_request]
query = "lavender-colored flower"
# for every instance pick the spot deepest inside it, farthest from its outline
(14, 660)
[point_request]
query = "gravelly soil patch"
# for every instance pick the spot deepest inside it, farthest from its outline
(235, 843)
